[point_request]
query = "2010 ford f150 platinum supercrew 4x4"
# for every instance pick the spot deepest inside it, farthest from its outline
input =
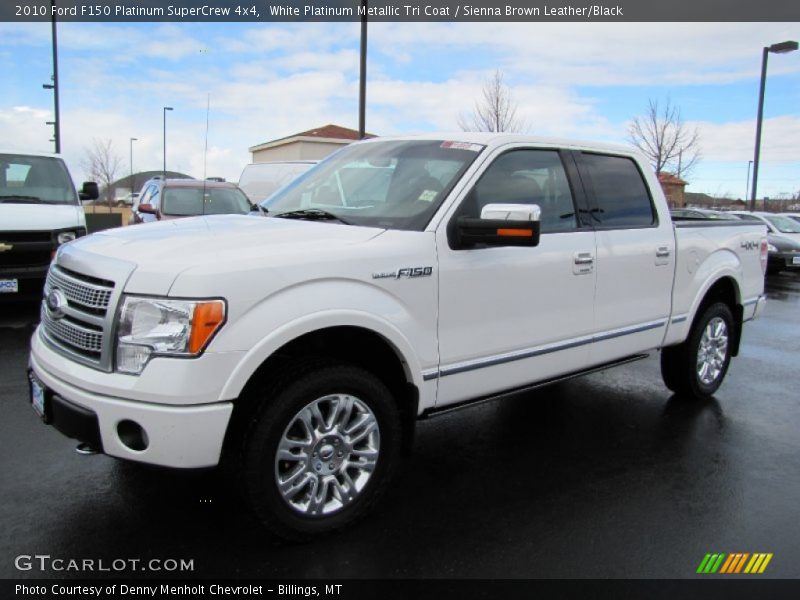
(397, 278)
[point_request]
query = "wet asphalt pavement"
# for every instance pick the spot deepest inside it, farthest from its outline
(604, 476)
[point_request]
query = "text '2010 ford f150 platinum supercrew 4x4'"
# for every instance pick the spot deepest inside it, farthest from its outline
(397, 278)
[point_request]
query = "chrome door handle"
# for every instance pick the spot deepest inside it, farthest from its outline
(663, 252)
(584, 258)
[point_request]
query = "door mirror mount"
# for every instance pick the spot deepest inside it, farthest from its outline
(501, 225)
(89, 191)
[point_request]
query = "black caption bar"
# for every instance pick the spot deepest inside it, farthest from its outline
(417, 589)
(400, 10)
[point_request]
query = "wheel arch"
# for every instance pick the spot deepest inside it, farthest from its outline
(725, 289)
(389, 358)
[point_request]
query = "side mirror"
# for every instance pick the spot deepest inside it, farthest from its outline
(89, 191)
(501, 225)
(147, 208)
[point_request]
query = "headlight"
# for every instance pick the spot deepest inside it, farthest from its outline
(771, 248)
(164, 327)
(66, 236)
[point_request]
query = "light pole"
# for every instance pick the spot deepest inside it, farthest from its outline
(781, 48)
(133, 187)
(747, 187)
(362, 88)
(166, 108)
(56, 122)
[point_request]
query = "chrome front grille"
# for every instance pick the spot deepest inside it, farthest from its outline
(80, 328)
(86, 293)
(77, 337)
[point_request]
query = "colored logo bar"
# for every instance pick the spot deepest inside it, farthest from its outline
(737, 562)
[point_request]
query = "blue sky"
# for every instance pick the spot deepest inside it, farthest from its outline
(576, 80)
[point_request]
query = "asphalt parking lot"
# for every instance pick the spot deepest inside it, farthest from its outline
(604, 476)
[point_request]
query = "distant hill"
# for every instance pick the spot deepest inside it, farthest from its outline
(706, 201)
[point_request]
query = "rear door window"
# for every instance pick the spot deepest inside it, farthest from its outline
(621, 197)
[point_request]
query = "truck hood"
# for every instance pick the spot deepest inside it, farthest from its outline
(161, 251)
(40, 217)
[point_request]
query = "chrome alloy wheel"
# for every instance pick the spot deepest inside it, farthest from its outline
(713, 351)
(327, 454)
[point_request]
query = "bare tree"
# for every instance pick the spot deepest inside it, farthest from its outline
(665, 139)
(495, 111)
(102, 164)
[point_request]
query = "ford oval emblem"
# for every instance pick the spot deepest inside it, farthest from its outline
(56, 302)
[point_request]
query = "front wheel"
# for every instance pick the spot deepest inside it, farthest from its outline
(320, 451)
(697, 367)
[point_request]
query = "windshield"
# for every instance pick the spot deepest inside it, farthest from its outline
(784, 224)
(35, 180)
(190, 201)
(392, 184)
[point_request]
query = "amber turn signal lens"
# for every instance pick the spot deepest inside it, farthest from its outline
(515, 232)
(207, 318)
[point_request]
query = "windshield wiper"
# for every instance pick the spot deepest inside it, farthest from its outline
(259, 209)
(312, 214)
(20, 199)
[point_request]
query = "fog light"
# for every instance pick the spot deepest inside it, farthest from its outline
(132, 435)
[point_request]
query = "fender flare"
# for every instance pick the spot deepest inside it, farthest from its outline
(292, 330)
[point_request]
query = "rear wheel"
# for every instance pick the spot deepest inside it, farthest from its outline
(320, 451)
(697, 367)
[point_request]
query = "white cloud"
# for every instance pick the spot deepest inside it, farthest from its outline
(23, 128)
(601, 54)
(291, 38)
(269, 81)
(735, 141)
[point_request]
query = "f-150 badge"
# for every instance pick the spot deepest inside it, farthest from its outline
(405, 272)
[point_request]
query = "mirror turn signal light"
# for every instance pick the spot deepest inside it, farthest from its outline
(515, 232)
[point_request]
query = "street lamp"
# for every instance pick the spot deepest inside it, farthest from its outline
(56, 122)
(781, 48)
(166, 108)
(362, 87)
(133, 187)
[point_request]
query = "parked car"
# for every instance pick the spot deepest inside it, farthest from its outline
(300, 349)
(128, 199)
(40, 210)
(783, 235)
(176, 198)
(775, 223)
(260, 180)
(792, 215)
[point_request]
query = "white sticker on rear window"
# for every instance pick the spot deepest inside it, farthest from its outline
(463, 146)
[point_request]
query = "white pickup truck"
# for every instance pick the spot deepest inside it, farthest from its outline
(396, 279)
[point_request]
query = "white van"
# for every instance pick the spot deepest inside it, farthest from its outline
(260, 180)
(40, 209)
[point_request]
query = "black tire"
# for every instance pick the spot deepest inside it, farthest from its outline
(281, 407)
(679, 364)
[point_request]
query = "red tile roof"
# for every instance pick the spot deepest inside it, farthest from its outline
(326, 132)
(670, 179)
(332, 131)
